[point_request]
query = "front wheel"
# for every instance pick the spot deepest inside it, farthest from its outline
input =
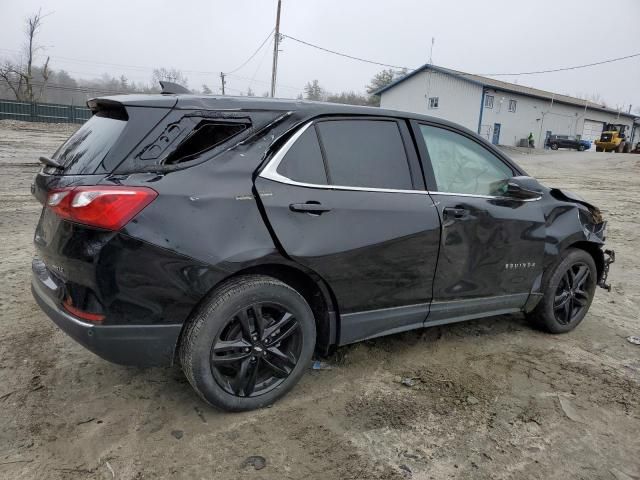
(554, 146)
(568, 288)
(581, 148)
(248, 344)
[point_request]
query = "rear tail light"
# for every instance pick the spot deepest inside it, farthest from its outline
(90, 317)
(109, 207)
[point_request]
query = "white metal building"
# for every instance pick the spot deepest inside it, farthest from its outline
(502, 112)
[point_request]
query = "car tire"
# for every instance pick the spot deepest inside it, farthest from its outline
(554, 146)
(224, 355)
(581, 148)
(563, 305)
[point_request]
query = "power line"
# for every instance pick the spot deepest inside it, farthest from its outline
(552, 70)
(253, 54)
(201, 72)
(255, 73)
(122, 65)
(342, 54)
(280, 85)
(563, 69)
(150, 69)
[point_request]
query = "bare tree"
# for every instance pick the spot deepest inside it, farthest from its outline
(20, 76)
(170, 75)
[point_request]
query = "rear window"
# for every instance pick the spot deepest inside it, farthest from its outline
(86, 148)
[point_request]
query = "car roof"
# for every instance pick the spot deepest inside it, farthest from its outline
(230, 103)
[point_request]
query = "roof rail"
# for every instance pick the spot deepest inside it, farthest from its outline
(169, 88)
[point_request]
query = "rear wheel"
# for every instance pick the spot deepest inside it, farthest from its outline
(249, 344)
(568, 288)
(554, 146)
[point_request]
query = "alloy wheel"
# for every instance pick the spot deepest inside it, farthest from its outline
(256, 350)
(572, 295)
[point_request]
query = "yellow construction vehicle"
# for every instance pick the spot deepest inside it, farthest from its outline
(613, 139)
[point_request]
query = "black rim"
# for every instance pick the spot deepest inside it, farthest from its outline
(256, 350)
(572, 295)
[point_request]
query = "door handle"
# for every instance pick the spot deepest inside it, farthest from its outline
(311, 206)
(455, 212)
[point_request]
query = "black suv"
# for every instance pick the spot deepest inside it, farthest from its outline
(239, 235)
(565, 141)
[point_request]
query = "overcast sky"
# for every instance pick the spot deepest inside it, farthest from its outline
(204, 37)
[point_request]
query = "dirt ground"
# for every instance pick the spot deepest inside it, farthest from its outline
(491, 399)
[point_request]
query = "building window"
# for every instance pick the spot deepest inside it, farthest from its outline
(433, 102)
(512, 105)
(488, 101)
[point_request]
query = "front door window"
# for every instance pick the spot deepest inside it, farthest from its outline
(460, 165)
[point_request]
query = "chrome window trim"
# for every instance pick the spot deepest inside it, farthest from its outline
(491, 197)
(270, 172)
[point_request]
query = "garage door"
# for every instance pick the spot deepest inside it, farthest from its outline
(592, 131)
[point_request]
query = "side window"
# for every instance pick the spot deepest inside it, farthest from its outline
(460, 165)
(488, 101)
(303, 162)
(205, 136)
(365, 153)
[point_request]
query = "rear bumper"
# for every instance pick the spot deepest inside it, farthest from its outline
(141, 345)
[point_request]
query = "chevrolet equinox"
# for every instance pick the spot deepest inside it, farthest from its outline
(238, 236)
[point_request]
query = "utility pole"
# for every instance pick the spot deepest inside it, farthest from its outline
(223, 81)
(276, 41)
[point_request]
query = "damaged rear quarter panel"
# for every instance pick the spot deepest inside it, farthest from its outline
(208, 222)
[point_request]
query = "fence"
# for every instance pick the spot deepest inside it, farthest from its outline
(43, 112)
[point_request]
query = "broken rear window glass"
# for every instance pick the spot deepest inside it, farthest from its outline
(205, 136)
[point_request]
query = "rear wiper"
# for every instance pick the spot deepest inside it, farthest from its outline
(49, 162)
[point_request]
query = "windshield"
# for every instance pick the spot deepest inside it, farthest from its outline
(86, 148)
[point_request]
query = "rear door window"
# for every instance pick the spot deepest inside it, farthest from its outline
(303, 162)
(365, 153)
(86, 148)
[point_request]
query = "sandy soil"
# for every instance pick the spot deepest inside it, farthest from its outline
(491, 399)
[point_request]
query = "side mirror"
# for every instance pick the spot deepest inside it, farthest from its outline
(523, 188)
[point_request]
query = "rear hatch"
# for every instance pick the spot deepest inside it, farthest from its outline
(93, 185)
(100, 145)
(67, 253)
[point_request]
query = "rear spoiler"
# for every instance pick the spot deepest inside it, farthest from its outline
(132, 100)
